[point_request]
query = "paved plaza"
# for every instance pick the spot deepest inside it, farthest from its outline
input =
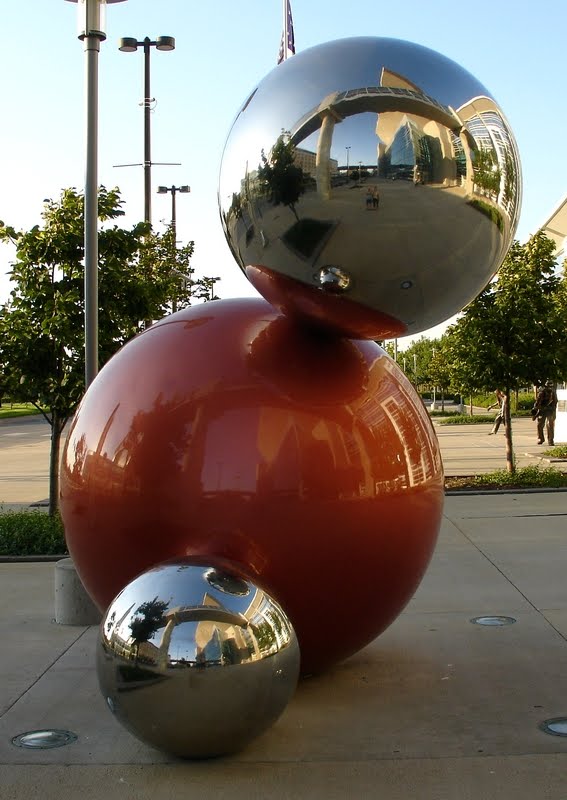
(437, 708)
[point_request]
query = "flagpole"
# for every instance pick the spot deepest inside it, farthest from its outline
(285, 31)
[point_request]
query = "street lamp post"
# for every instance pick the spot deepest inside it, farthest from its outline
(347, 148)
(209, 284)
(174, 189)
(434, 386)
(130, 45)
(90, 18)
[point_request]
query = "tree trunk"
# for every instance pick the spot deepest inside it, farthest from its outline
(471, 406)
(510, 461)
(442, 400)
(56, 430)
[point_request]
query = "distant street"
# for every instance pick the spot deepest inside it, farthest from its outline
(465, 449)
(24, 460)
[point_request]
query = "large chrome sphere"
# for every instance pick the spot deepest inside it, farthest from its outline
(195, 660)
(371, 184)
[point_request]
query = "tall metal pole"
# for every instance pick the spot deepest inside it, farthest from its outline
(91, 32)
(92, 49)
(147, 134)
(173, 216)
(174, 234)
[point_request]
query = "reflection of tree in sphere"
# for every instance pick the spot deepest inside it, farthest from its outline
(429, 141)
(226, 431)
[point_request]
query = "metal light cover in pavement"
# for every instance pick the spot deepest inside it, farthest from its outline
(44, 739)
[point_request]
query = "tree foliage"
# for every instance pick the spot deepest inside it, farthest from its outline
(42, 325)
(512, 335)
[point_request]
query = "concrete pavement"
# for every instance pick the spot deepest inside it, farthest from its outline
(437, 708)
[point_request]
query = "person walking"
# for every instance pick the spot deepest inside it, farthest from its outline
(544, 412)
(500, 417)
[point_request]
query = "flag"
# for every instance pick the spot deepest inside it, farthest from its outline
(287, 46)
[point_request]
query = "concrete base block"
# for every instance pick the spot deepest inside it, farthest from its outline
(73, 606)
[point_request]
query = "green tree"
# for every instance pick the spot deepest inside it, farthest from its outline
(417, 359)
(42, 325)
(279, 178)
(512, 335)
(389, 347)
(439, 368)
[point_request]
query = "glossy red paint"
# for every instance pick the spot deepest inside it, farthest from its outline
(334, 312)
(228, 431)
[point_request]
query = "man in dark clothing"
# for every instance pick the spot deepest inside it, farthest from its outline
(544, 412)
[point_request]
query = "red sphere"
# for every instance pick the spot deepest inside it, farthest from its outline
(231, 432)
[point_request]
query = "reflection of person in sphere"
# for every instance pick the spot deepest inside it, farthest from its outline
(369, 198)
(375, 197)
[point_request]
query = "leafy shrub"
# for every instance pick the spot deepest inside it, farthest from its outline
(557, 452)
(466, 419)
(547, 477)
(31, 533)
(524, 478)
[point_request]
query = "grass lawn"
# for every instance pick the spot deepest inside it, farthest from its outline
(18, 410)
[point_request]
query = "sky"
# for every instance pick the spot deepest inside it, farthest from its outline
(223, 50)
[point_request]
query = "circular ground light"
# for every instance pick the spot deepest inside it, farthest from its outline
(44, 739)
(557, 726)
(493, 620)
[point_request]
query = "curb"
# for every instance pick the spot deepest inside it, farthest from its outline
(534, 490)
(30, 559)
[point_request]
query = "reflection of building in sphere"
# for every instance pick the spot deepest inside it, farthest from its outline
(307, 161)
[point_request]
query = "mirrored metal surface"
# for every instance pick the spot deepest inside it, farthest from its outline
(379, 160)
(196, 661)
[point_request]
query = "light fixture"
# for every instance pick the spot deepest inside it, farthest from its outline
(557, 726)
(44, 739)
(91, 17)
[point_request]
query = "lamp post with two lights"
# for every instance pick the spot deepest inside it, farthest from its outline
(130, 45)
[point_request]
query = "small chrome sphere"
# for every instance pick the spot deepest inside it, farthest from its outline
(195, 660)
(371, 184)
